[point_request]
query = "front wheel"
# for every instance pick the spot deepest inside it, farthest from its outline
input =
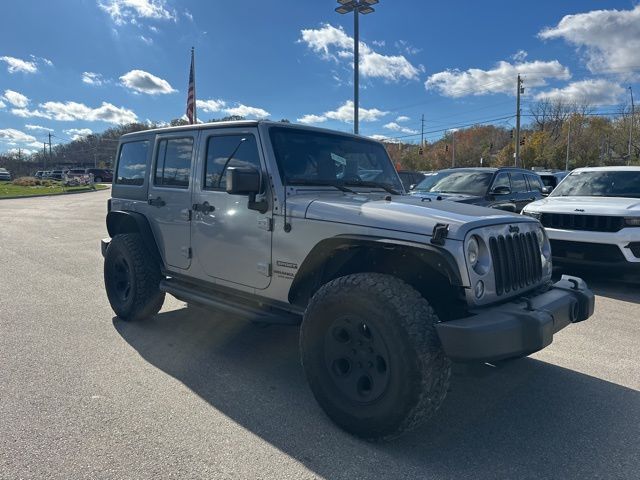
(132, 278)
(371, 355)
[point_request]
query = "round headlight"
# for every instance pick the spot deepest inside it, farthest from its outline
(540, 235)
(473, 250)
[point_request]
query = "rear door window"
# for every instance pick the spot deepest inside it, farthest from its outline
(132, 163)
(518, 183)
(535, 183)
(173, 163)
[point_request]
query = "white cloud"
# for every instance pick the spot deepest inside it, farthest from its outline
(2, 104)
(501, 79)
(130, 11)
(147, 40)
(211, 105)
(18, 65)
(399, 128)
(246, 111)
(402, 118)
(586, 92)
(218, 105)
(520, 56)
(22, 151)
(344, 113)
(69, 111)
(145, 82)
(310, 118)
(611, 38)
(406, 47)
(333, 43)
(384, 138)
(78, 133)
(93, 78)
(29, 126)
(13, 136)
(15, 98)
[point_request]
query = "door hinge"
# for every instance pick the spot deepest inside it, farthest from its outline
(264, 269)
(265, 223)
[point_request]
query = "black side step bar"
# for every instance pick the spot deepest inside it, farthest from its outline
(255, 313)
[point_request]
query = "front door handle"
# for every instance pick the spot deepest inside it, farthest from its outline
(203, 207)
(156, 202)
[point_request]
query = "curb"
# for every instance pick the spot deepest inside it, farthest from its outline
(54, 194)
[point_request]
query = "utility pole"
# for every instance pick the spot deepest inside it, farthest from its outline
(356, 71)
(630, 127)
(422, 132)
(566, 163)
(50, 155)
(519, 90)
(453, 150)
(44, 156)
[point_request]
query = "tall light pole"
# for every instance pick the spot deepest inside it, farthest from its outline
(633, 112)
(357, 7)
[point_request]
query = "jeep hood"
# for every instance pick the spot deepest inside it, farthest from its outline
(401, 213)
(616, 206)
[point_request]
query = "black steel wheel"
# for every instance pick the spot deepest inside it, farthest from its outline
(371, 355)
(132, 278)
(357, 359)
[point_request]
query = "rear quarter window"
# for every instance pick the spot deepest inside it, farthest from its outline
(132, 163)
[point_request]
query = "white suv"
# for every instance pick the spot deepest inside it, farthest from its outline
(593, 218)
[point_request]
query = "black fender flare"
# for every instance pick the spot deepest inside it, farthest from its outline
(436, 257)
(121, 221)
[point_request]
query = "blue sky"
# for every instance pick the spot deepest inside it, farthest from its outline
(81, 66)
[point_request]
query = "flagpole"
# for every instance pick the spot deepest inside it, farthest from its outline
(193, 65)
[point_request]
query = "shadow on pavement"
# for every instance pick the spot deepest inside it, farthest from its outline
(526, 419)
(607, 284)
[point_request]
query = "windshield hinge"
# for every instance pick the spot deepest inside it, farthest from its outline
(440, 232)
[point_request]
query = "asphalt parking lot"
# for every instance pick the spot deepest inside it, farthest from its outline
(194, 394)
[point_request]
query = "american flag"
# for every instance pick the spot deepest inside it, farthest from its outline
(191, 96)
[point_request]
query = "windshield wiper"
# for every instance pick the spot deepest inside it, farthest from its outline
(384, 186)
(317, 183)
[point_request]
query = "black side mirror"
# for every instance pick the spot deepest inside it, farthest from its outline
(242, 181)
(500, 190)
(246, 181)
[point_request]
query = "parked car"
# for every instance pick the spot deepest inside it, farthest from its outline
(410, 178)
(76, 171)
(56, 174)
(295, 224)
(5, 176)
(503, 188)
(101, 174)
(551, 179)
(593, 219)
(38, 174)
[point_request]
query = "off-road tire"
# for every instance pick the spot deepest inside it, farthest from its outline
(128, 259)
(417, 371)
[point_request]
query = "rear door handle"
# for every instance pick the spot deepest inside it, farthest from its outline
(156, 202)
(203, 207)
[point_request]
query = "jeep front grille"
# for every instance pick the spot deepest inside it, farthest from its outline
(593, 223)
(516, 261)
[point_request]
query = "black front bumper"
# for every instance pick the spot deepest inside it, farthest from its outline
(519, 327)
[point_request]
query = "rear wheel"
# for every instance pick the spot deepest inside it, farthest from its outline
(372, 356)
(97, 180)
(132, 278)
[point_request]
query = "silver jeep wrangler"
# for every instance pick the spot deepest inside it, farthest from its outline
(292, 224)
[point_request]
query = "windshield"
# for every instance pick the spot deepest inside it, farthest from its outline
(307, 157)
(602, 183)
(467, 182)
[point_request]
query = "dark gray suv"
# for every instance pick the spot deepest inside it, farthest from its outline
(505, 188)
